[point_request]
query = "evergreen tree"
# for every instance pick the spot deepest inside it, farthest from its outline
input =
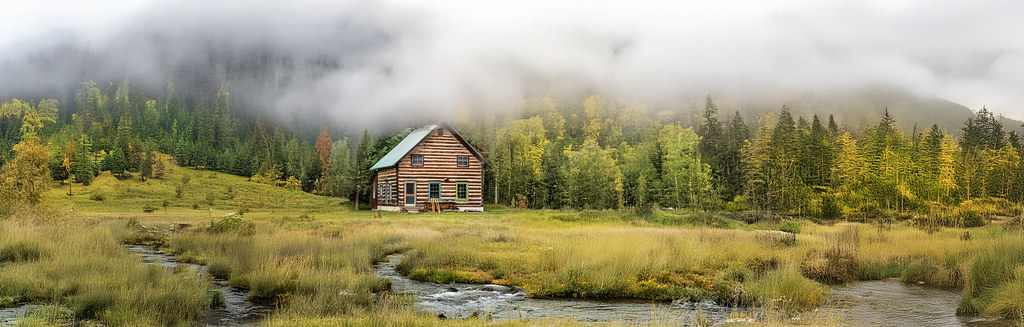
(737, 134)
(712, 146)
(115, 162)
(756, 164)
(362, 166)
(341, 168)
(786, 190)
(146, 165)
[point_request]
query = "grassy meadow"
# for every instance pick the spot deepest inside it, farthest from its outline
(312, 256)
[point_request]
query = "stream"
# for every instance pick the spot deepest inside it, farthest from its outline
(893, 303)
(499, 302)
(237, 310)
(869, 303)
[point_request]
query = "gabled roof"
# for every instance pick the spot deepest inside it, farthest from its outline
(414, 139)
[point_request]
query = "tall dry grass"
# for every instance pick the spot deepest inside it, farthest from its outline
(82, 267)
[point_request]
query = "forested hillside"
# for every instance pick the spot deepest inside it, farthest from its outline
(585, 153)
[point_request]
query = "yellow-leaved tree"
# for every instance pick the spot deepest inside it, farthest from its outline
(23, 179)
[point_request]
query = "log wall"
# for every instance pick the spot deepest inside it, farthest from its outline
(440, 151)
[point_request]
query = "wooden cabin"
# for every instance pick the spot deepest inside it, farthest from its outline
(432, 168)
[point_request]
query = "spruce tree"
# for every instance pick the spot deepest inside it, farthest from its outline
(712, 146)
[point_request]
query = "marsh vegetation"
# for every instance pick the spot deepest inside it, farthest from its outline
(313, 258)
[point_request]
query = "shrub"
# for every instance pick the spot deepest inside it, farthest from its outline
(148, 208)
(498, 273)
(232, 223)
(971, 219)
(790, 226)
(97, 197)
(738, 204)
(830, 208)
(179, 191)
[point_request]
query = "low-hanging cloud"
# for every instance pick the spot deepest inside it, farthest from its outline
(401, 61)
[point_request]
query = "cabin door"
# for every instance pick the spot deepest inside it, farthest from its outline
(410, 193)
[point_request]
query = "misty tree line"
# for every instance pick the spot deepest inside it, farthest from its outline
(595, 155)
(585, 154)
(120, 130)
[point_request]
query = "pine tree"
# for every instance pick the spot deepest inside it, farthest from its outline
(146, 165)
(786, 190)
(737, 134)
(341, 168)
(362, 166)
(159, 170)
(712, 147)
(756, 165)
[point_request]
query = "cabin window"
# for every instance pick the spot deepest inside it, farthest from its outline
(417, 160)
(389, 192)
(462, 192)
(435, 191)
(463, 161)
(380, 190)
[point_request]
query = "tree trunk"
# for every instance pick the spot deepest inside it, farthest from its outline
(357, 197)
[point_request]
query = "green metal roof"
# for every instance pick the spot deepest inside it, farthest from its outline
(403, 147)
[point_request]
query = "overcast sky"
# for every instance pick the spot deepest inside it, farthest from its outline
(377, 59)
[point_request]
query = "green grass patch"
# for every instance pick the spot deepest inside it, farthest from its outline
(19, 251)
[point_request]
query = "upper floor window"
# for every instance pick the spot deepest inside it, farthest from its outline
(463, 161)
(417, 160)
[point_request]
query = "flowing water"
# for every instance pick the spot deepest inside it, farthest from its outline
(10, 316)
(893, 303)
(871, 303)
(237, 310)
(499, 302)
